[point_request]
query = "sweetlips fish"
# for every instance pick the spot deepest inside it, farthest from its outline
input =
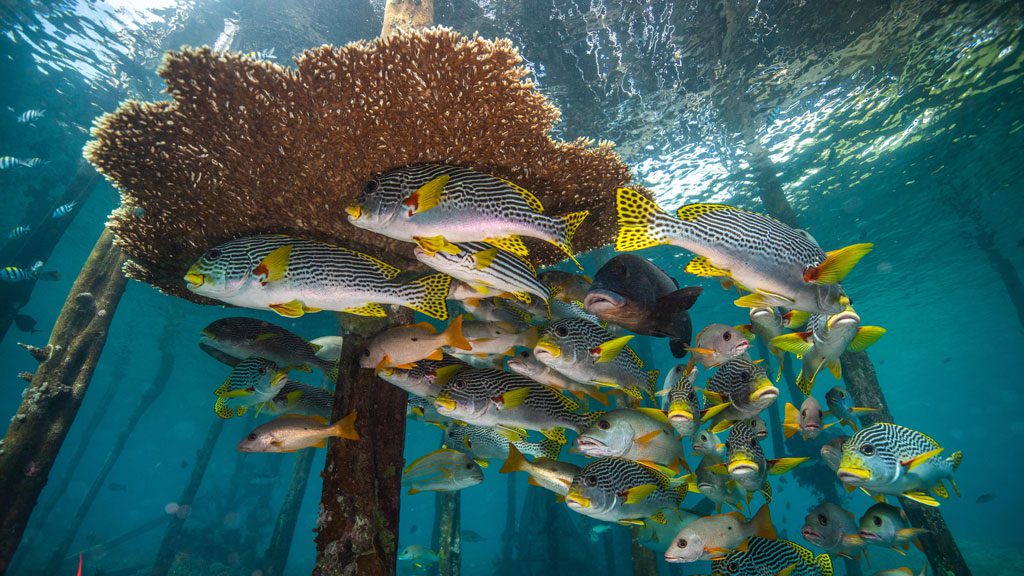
(489, 397)
(461, 204)
(497, 310)
(421, 379)
(713, 537)
(832, 451)
(684, 411)
(887, 458)
(807, 420)
(566, 286)
(640, 434)
(707, 443)
(632, 292)
(759, 427)
(422, 410)
(588, 353)
(293, 432)
(833, 529)
(526, 364)
(718, 343)
(490, 442)
(624, 491)
(402, 346)
(252, 382)
(745, 385)
(886, 525)
(292, 276)
(746, 464)
(764, 557)
(840, 405)
(443, 470)
(716, 487)
(544, 472)
(654, 535)
(419, 556)
(824, 342)
(767, 323)
(489, 270)
(779, 265)
(299, 398)
(497, 338)
(241, 337)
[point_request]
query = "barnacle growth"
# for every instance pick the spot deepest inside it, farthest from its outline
(247, 147)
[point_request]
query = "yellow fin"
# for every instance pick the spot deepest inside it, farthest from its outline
(638, 219)
(631, 522)
(572, 223)
(783, 465)
(787, 571)
(274, 265)
(655, 414)
(483, 259)
(293, 397)
(692, 212)
(713, 397)
(921, 458)
(866, 336)
(427, 196)
(921, 498)
(798, 343)
(346, 427)
(435, 244)
(512, 398)
(660, 518)
(638, 494)
(940, 490)
(432, 298)
(657, 467)
(712, 411)
(753, 300)
(722, 426)
(293, 309)
(386, 270)
(795, 319)
(223, 410)
(701, 266)
(556, 434)
(646, 438)
(532, 201)
(513, 244)
(515, 462)
(610, 350)
(481, 462)
(835, 367)
(510, 433)
(370, 309)
(837, 264)
(791, 424)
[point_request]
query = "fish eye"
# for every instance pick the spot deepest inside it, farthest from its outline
(469, 465)
(727, 336)
(590, 480)
(366, 352)
(457, 385)
(370, 187)
(562, 331)
(822, 519)
(803, 412)
(524, 354)
(213, 253)
(263, 369)
(876, 520)
(681, 542)
(703, 437)
(603, 424)
(867, 449)
(414, 339)
(745, 375)
(251, 437)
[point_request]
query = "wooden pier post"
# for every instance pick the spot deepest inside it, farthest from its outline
(276, 558)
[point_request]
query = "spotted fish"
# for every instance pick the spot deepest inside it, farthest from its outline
(462, 205)
(684, 411)
(490, 270)
(252, 382)
(746, 464)
(292, 276)
(624, 491)
(744, 384)
(241, 337)
(887, 458)
(490, 442)
(764, 557)
(781, 266)
(299, 398)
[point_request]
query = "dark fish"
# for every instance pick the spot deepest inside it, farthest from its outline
(25, 323)
(634, 293)
(115, 487)
(984, 498)
(470, 536)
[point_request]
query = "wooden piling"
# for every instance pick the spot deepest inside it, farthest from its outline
(449, 549)
(52, 400)
(276, 558)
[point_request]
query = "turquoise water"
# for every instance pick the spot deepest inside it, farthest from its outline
(893, 123)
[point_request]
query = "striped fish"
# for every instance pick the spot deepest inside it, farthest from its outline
(526, 364)
(488, 269)
(421, 379)
(241, 337)
(422, 410)
(298, 398)
(886, 458)
(764, 557)
(781, 266)
(767, 323)
(292, 276)
(624, 491)
(16, 274)
(744, 384)
(491, 442)
(8, 162)
(825, 341)
(588, 353)
(33, 162)
(746, 464)
(63, 210)
(684, 412)
(252, 382)
(462, 205)
(496, 310)
(489, 397)
(29, 116)
(19, 232)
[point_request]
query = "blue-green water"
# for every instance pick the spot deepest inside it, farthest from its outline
(897, 123)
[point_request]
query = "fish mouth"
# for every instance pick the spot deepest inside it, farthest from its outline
(195, 279)
(741, 346)
(385, 371)
(742, 467)
(354, 211)
(847, 316)
(701, 487)
(765, 391)
(278, 378)
(601, 300)
(577, 500)
(849, 474)
(591, 446)
(809, 534)
(870, 536)
(447, 404)
(546, 346)
(680, 414)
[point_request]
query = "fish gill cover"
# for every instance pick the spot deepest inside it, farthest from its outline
(248, 147)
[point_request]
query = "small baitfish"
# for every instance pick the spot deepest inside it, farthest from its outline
(461, 204)
(833, 529)
(566, 286)
(252, 382)
(746, 464)
(19, 232)
(419, 556)
(624, 491)
(684, 411)
(489, 270)
(807, 420)
(762, 557)
(840, 405)
(890, 459)
(640, 434)
(443, 470)
(779, 265)
(745, 385)
(886, 525)
(240, 337)
(633, 293)
(825, 341)
(718, 343)
(29, 116)
(9, 162)
(713, 537)
(489, 397)
(492, 442)
(63, 210)
(292, 276)
(293, 432)
(588, 353)
(546, 473)
(402, 346)
(15, 274)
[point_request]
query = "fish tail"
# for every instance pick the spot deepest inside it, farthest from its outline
(571, 223)
(346, 427)
(956, 458)
(454, 335)
(639, 221)
(762, 523)
(431, 295)
(515, 461)
(791, 424)
(223, 410)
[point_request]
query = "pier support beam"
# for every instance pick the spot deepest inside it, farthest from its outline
(276, 558)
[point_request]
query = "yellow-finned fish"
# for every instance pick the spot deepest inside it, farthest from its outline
(713, 537)
(886, 525)
(401, 346)
(833, 529)
(746, 464)
(443, 470)
(252, 382)
(624, 491)
(641, 434)
(780, 557)
(544, 472)
(807, 420)
(489, 270)
(293, 432)
(718, 343)
(781, 266)
(292, 276)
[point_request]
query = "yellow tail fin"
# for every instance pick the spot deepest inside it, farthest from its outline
(638, 216)
(346, 427)
(572, 224)
(515, 461)
(762, 523)
(432, 301)
(791, 425)
(454, 337)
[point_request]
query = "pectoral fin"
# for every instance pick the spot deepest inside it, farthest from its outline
(426, 196)
(274, 265)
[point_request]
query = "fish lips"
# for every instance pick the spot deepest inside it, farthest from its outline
(852, 475)
(810, 535)
(743, 467)
(598, 302)
(592, 447)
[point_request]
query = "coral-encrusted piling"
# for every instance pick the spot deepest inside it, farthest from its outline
(53, 398)
(276, 558)
(358, 524)
(449, 533)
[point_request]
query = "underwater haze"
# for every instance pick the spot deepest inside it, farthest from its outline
(896, 123)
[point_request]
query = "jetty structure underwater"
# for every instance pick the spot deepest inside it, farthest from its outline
(248, 147)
